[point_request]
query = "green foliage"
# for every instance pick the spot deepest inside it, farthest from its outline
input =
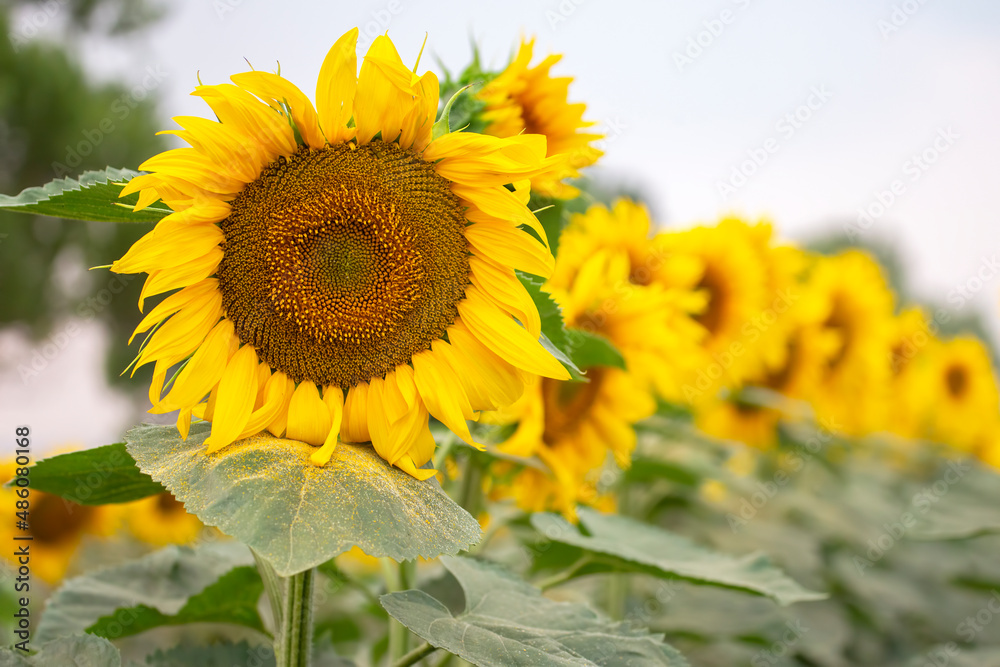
(507, 622)
(91, 197)
(266, 493)
(553, 216)
(618, 543)
(591, 350)
(466, 112)
(171, 586)
(81, 651)
(222, 654)
(96, 476)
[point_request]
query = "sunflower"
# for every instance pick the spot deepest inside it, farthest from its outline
(965, 397)
(344, 269)
(161, 520)
(792, 369)
(733, 283)
(574, 427)
(911, 385)
(852, 392)
(528, 99)
(611, 255)
(56, 526)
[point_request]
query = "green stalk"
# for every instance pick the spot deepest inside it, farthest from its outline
(396, 575)
(294, 642)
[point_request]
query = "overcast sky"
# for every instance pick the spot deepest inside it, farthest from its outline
(804, 112)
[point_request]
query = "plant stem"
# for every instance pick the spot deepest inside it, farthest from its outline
(472, 487)
(415, 656)
(272, 585)
(294, 647)
(565, 575)
(395, 581)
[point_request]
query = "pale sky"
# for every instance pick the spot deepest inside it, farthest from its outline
(887, 93)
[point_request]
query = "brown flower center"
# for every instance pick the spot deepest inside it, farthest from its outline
(567, 404)
(342, 263)
(956, 378)
(54, 520)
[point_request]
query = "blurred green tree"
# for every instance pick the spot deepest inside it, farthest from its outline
(55, 122)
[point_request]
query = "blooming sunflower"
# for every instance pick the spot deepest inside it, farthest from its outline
(733, 283)
(912, 387)
(574, 426)
(528, 99)
(609, 260)
(344, 269)
(965, 396)
(161, 520)
(57, 528)
(852, 392)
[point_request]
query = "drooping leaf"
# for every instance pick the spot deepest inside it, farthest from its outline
(589, 350)
(92, 196)
(78, 651)
(125, 599)
(96, 476)
(509, 622)
(265, 492)
(232, 599)
(621, 543)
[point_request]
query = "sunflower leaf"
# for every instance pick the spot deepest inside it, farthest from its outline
(83, 651)
(265, 492)
(220, 654)
(621, 543)
(213, 582)
(551, 213)
(592, 350)
(509, 622)
(92, 196)
(554, 337)
(98, 476)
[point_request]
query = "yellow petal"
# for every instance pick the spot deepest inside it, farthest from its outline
(333, 397)
(509, 246)
(183, 275)
(442, 393)
(203, 371)
(308, 416)
(278, 90)
(355, 425)
(385, 93)
(336, 87)
(510, 341)
(237, 392)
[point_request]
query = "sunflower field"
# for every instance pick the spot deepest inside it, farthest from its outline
(425, 390)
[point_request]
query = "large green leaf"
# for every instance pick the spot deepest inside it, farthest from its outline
(617, 542)
(92, 196)
(94, 477)
(170, 586)
(554, 336)
(265, 492)
(508, 622)
(82, 651)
